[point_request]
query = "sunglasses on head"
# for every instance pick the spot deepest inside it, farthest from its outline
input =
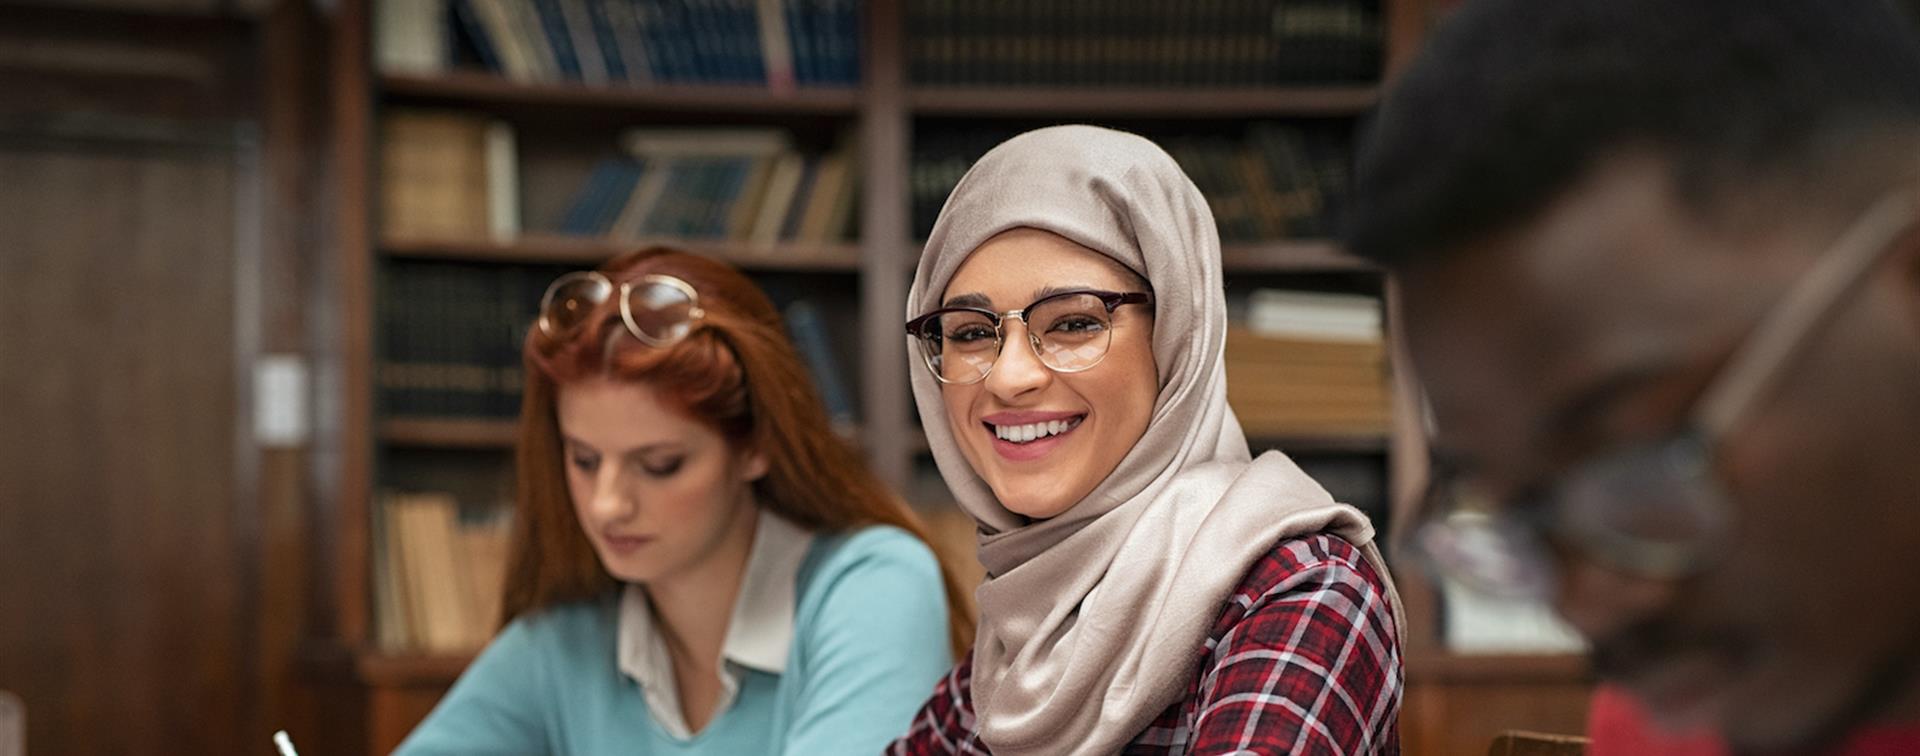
(659, 310)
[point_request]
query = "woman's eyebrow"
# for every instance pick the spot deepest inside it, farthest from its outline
(969, 300)
(1052, 290)
(981, 300)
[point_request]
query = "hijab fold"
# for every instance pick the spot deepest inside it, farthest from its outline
(1094, 621)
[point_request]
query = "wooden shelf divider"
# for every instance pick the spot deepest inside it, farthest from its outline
(449, 433)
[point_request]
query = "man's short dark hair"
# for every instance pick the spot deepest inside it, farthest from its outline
(1512, 102)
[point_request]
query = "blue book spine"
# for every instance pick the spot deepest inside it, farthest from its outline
(475, 33)
(631, 171)
(704, 33)
(740, 55)
(659, 220)
(736, 180)
(609, 41)
(809, 331)
(800, 37)
(851, 14)
(750, 37)
(581, 212)
(554, 23)
(667, 43)
(826, 23)
(709, 37)
(648, 15)
(713, 173)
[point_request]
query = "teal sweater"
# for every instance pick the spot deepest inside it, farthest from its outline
(869, 642)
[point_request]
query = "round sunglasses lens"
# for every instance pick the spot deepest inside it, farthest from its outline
(662, 312)
(571, 301)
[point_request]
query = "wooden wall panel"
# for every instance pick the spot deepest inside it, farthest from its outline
(125, 566)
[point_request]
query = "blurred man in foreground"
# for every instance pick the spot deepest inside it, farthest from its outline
(1662, 285)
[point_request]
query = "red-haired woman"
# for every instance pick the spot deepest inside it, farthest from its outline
(699, 565)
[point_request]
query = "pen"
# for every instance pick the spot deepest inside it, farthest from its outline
(285, 744)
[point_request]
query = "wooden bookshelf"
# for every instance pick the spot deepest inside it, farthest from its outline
(539, 248)
(1123, 102)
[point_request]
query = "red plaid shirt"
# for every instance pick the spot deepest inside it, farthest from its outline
(1303, 660)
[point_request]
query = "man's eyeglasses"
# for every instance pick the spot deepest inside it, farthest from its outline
(1654, 510)
(659, 310)
(1069, 331)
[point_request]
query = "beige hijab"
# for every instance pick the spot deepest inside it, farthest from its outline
(1094, 622)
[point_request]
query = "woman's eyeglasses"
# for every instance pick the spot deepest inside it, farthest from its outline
(1069, 331)
(1655, 510)
(659, 310)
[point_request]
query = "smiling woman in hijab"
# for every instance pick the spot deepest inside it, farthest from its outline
(1151, 587)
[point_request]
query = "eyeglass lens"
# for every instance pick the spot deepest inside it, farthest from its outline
(1069, 333)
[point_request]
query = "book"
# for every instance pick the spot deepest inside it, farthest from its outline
(1315, 315)
(746, 203)
(501, 23)
(447, 174)
(778, 44)
(439, 579)
(470, 34)
(392, 629)
(783, 183)
(582, 36)
(503, 181)
(410, 36)
(483, 552)
(833, 180)
(810, 334)
(1078, 43)
(557, 38)
(426, 525)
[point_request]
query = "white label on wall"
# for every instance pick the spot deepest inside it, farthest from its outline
(280, 400)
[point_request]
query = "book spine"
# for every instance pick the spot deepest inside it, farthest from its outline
(776, 47)
(810, 334)
(579, 217)
(800, 31)
(503, 181)
(583, 41)
(606, 41)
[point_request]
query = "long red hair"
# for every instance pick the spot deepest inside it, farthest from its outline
(736, 371)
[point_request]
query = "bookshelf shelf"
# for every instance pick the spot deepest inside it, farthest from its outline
(1290, 256)
(552, 248)
(488, 92)
(449, 433)
(1260, 102)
